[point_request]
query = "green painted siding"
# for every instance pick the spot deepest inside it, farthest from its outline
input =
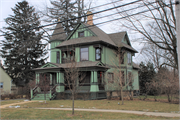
(125, 40)
(54, 55)
(54, 44)
(91, 53)
(87, 32)
(77, 54)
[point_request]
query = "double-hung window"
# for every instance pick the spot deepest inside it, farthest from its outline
(129, 56)
(84, 53)
(98, 54)
(57, 57)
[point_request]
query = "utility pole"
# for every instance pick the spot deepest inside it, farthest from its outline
(178, 37)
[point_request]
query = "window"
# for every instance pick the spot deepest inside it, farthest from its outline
(98, 54)
(1, 85)
(84, 54)
(110, 77)
(81, 34)
(129, 58)
(58, 57)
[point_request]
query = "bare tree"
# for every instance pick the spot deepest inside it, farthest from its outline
(168, 82)
(159, 28)
(44, 84)
(117, 81)
(73, 76)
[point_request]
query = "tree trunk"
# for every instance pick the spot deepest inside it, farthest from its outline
(122, 97)
(72, 103)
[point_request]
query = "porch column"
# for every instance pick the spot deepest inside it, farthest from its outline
(94, 83)
(57, 77)
(60, 87)
(37, 78)
(50, 79)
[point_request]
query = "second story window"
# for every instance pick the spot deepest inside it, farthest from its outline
(98, 54)
(129, 56)
(84, 52)
(58, 57)
(81, 34)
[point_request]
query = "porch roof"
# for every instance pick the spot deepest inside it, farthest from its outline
(83, 64)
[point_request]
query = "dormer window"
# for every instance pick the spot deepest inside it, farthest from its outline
(81, 34)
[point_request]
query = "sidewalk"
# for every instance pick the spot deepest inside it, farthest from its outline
(121, 111)
(7, 105)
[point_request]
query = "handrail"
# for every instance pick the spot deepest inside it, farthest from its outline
(34, 88)
(53, 90)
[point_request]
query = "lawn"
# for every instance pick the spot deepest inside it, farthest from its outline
(109, 104)
(24, 113)
(10, 101)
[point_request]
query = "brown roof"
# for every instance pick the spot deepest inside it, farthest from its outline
(78, 64)
(135, 66)
(117, 39)
(58, 33)
(101, 37)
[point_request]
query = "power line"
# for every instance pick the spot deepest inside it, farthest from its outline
(83, 15)
(109, 15)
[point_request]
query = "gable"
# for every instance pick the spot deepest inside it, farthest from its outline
(100, 64)
(81, 28)
(126, 40)
(48, 65)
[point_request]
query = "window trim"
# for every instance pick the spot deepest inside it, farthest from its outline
(88, 53)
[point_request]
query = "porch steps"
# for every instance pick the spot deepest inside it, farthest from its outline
(41, 97)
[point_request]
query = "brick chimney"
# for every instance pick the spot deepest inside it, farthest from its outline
(89, 18)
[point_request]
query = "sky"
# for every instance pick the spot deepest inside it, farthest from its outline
(6, 5)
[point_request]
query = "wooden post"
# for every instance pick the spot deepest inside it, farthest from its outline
(178, 37)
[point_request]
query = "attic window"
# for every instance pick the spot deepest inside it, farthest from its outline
(81, 34)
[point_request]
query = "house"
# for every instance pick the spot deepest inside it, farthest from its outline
(5, 82)
(94, 52)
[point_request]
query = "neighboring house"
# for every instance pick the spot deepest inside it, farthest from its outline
(5, 82)
(94, 52)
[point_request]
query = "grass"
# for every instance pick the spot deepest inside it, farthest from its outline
(10, 101)
(22, 113)
(162, 97)
(109, 104)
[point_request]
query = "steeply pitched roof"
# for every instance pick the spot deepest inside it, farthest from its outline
(117, 39)
(114, 39)
(101, 37)
(59, 33)
(135, 66)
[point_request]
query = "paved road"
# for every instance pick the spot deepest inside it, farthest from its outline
(121, 111)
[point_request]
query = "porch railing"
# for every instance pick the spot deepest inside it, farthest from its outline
(52, 92)
(34, 91)
(101, 87)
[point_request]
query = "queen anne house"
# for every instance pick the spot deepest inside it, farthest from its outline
(93, 50)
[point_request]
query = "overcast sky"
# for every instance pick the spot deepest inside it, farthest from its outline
(6, 5)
